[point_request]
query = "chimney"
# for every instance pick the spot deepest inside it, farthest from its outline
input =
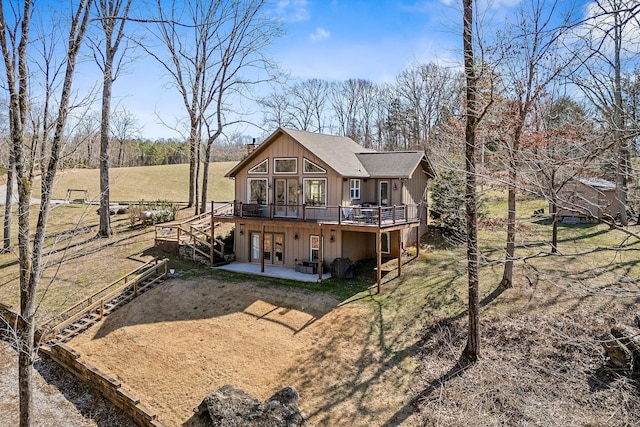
(251, 147)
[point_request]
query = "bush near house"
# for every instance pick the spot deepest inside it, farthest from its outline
(152, 212)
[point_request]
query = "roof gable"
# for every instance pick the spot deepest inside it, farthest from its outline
(346, 157)
(395, 164)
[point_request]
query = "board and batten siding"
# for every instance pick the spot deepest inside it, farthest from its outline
(286, 147)
(295, 250)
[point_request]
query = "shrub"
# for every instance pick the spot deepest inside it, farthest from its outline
(152, 212)
(447, 201)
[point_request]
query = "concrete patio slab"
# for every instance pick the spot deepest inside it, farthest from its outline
(272, 271)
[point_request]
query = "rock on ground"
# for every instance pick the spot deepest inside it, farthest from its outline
(231, 407)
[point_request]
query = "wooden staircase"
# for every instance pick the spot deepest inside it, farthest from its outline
(195, 233)
(86, 313)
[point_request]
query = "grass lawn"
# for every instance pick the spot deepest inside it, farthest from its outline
(361, 358)
(170, 182)
(78, 263)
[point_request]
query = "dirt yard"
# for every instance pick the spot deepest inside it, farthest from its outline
(187, 337)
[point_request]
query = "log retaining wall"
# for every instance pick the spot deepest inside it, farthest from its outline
(110, 388)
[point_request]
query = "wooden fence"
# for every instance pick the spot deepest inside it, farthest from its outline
(148, 274)
(8, 318)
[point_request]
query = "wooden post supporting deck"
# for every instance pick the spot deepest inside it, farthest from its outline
(418, 241)
(399, 252)
(320, 255)
(379, 257)
(262, 250)
(213, 237)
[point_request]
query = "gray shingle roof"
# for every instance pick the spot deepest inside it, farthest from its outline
(338, 152)
(348, 158)
(396, 164)
(598, 183)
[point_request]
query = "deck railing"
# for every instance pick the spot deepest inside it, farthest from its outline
(356, 214)
(195, 232)
(153, 270)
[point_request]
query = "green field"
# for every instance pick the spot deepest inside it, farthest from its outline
(170, 182)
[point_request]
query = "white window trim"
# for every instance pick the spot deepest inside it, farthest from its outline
(275, 169)
(304, 188)
(266, 186)
(251, 171)
(311, 238)
(304, 163)
(388, 238)
(352, 188)
(380, 183)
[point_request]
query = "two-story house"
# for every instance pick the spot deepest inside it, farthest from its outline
(304, 199)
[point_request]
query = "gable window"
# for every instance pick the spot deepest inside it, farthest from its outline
(384, 239)
(257, 190)
(314, 245)
(285, 165)
(310, 167)
(354, 189)
(262, 167)
(315, 192)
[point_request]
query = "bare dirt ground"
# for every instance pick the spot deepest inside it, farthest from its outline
(178, 342)
(76, 406)
(542, 363)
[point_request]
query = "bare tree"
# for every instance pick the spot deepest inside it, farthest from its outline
(345, 100)
(15, 57)
(185, 61)
(427, 90)
(609, 41)
(529, 47)
(276, 109)
(472, 349)
(112, 16)
(562, 147)
(369, 98)
(124, 126)
(210, 46)
(307, 104)
(235, 40)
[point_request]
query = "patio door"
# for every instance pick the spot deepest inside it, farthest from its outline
(384, 193)
(273, 248)
(286, 197)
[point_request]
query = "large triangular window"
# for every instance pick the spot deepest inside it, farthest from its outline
(310, 167)
(261, 167)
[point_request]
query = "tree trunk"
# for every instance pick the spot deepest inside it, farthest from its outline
(121, 154)
(507, 275)
(193, 161)
(104, 229)
(554, 228)
(25, 369)
(472, 349)
(205, 179)
(620, 123)
(8, 208)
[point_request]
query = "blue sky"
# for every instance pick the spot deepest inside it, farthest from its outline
(331, 40)
(337, 40)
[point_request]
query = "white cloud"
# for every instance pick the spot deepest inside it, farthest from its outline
(598, 26)
(319, 34)
(292, 10)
